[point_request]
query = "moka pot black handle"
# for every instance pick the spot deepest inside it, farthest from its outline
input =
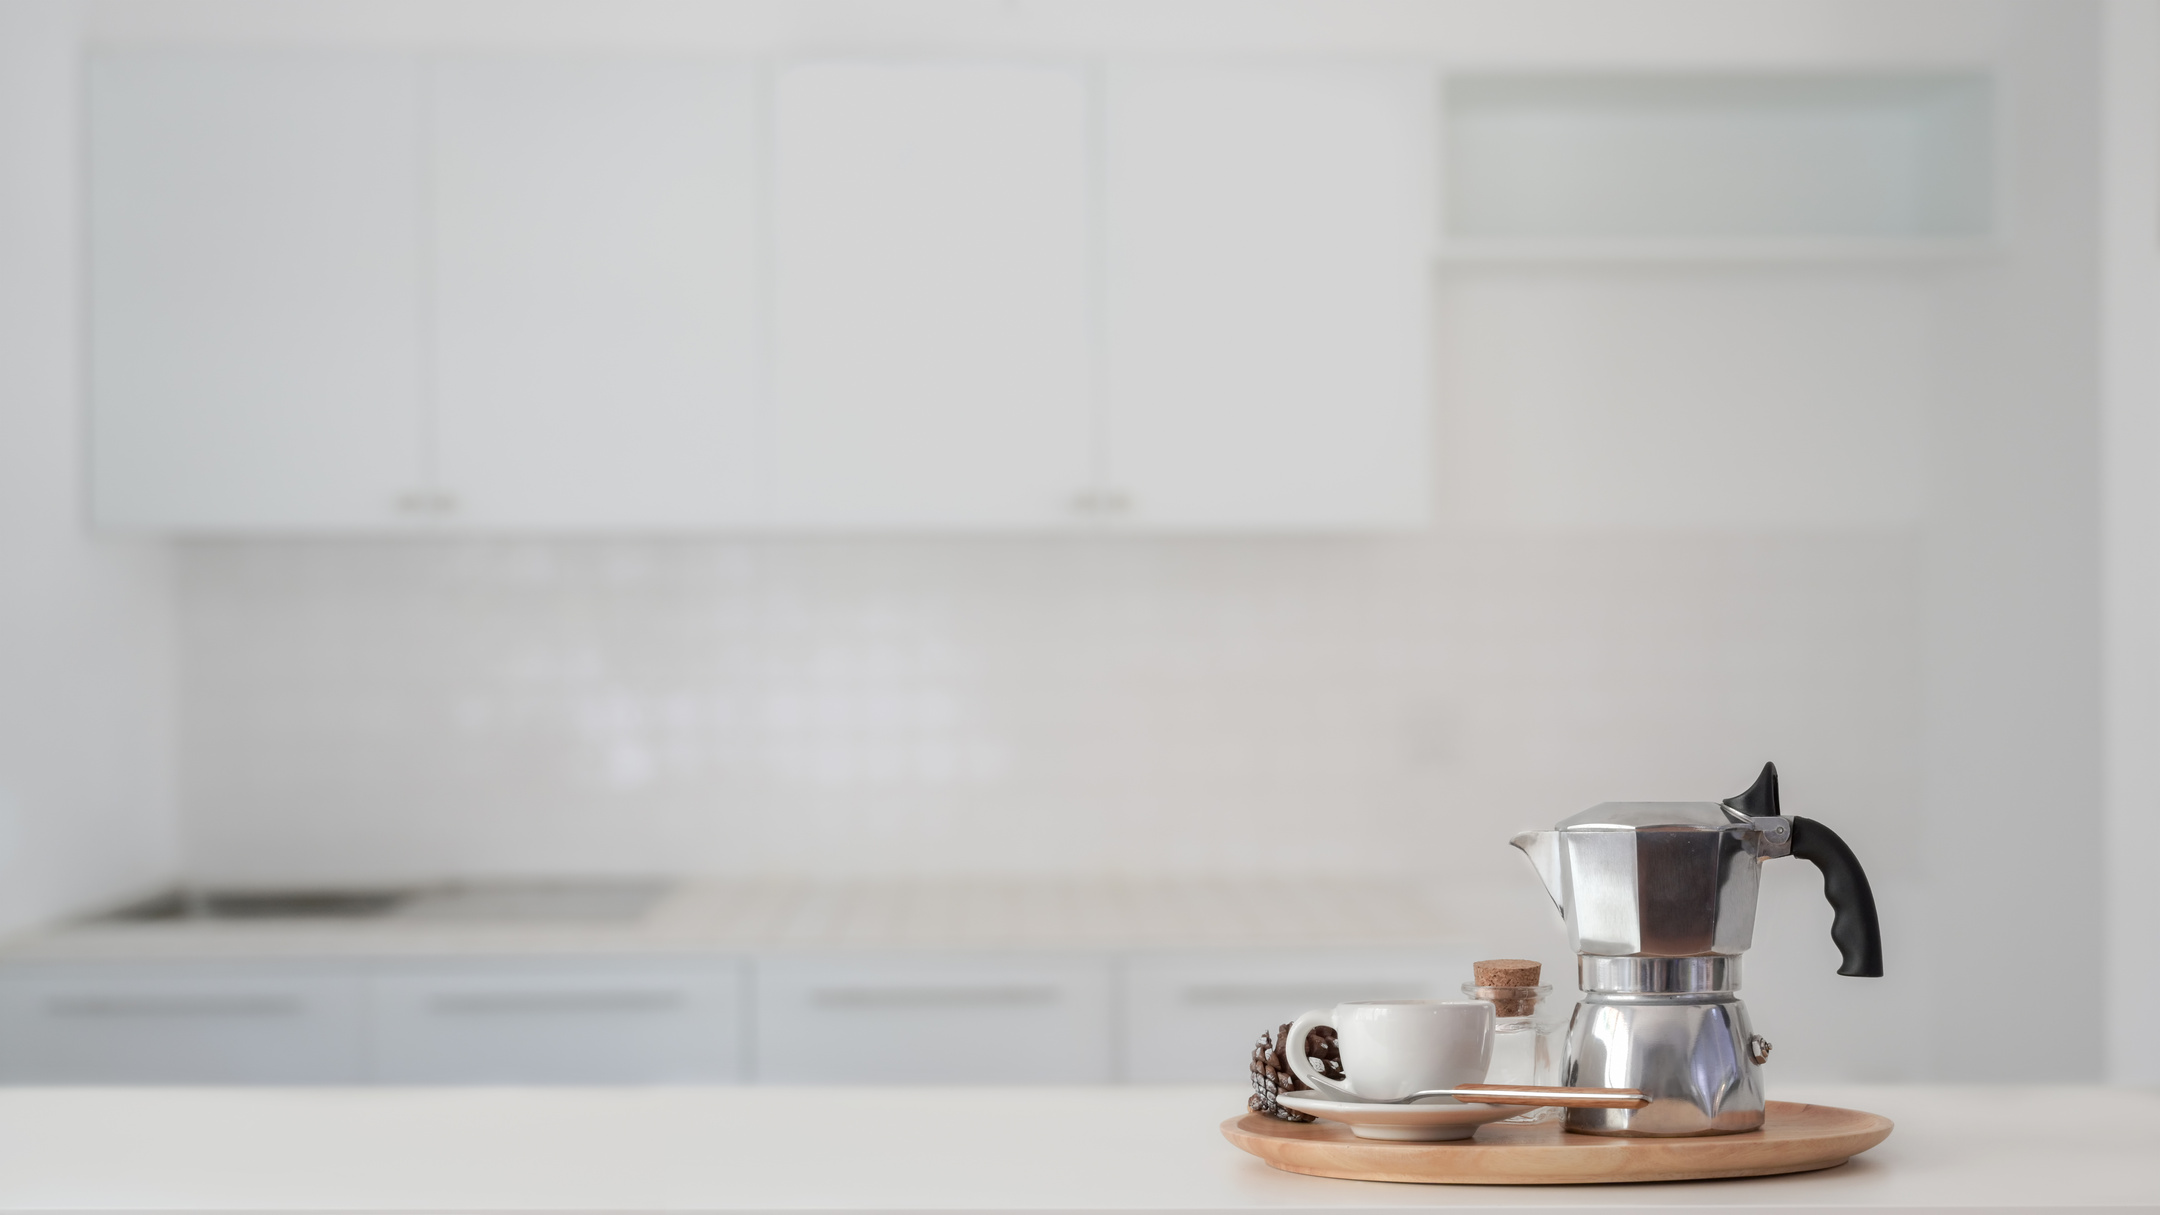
(1853, 926)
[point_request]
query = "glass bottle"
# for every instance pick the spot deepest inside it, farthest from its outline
(1529, 1034)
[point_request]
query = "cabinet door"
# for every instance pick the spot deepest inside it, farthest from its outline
(180, 1024)
(932, 358)
(1194, 1015)
(585, 1022)
(596, 291)
(905, 1017)
(1268, 233)
(255, 317)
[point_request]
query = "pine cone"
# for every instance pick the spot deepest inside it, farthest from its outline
(1271, 1072)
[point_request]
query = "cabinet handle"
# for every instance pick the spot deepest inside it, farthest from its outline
(1007, 995)
(120, 1007)
(432, 503)
(521, 1003)
(1102, 503)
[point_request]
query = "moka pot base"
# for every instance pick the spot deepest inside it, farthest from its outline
(1794, 1138)
(1676, 1031)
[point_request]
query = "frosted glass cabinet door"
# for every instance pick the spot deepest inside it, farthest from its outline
(1268, 234)
(596, 291)
(255, 295)
(931, 360)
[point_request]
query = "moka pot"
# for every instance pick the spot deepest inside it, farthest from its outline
(1659, 899)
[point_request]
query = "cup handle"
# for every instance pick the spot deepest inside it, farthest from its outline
(1300, 1066)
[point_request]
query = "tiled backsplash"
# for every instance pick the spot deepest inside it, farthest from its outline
(376, 709)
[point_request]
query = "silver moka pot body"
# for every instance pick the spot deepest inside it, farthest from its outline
(1659, 899)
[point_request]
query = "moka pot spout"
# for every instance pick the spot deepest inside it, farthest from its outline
(1543, 849)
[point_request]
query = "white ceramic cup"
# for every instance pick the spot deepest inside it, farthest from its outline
(1393, 1048)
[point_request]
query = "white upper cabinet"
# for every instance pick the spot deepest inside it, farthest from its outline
(932, 321)
(1268, 235)
(565, 293)
(255, 320)
(595, 292)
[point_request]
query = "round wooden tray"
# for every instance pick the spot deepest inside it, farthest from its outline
(1793, 1139)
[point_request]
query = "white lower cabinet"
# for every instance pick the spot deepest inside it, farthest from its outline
(557, 1022)
(872, 1016)
(919, 1017)
(1195, 1014)
(265, 1023)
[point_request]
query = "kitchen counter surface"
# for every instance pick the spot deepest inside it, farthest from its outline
(857, 1149)
(708, 915)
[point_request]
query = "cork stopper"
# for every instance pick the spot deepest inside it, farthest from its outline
(1507, 972)
(1510, 983)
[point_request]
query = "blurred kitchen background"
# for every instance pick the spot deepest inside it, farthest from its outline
(984, 540)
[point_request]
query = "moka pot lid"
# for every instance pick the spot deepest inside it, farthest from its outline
(1659, 816)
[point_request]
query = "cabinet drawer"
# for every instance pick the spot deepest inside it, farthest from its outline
(153, 1024)
(1195, 1015)
(962, 1018)
(597, 1022)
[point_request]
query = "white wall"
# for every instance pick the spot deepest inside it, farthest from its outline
(2131, 365)
(2013, 863)
(1731, 398)
(85, 790)
(888, 706)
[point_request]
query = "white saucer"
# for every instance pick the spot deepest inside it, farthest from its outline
(1429, 1121)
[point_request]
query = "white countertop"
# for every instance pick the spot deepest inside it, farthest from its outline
(861, 1149)
(720, 914)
